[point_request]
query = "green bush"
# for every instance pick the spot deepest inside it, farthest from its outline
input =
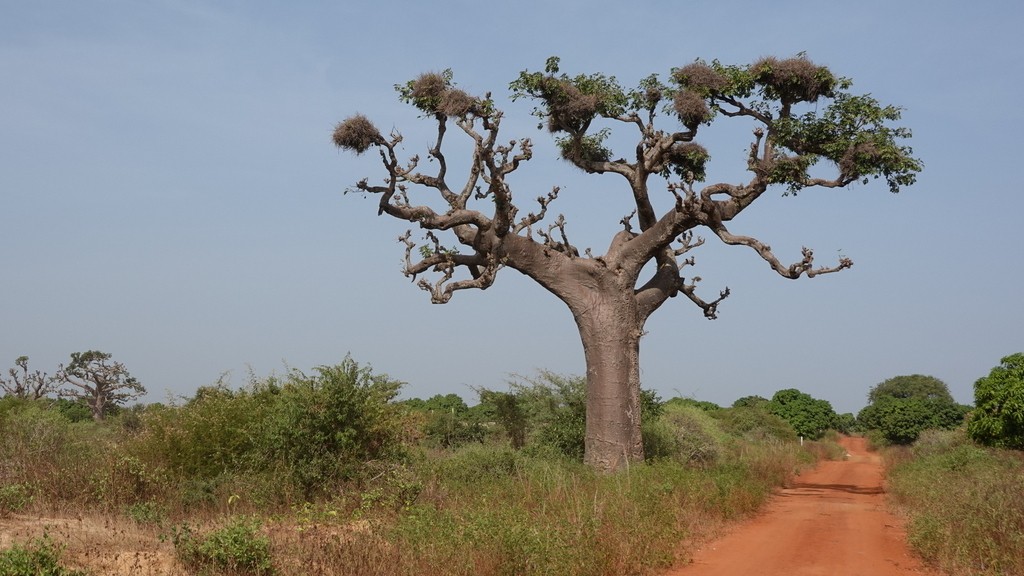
(146, 513)
(323, 426)
(448, 421)
(999, 397)
(41, 449)
(808, 416)
(902, 407)
(237, 547)
(277, 440)
(14, 498)
(684, 432)
(902, 420)
(964, 503)
(755, 424)
(41, 557)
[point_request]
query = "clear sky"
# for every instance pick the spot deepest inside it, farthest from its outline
(169, 193)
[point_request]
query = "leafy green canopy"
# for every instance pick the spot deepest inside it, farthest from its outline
(902, 407)
(998, 419)
(809, 416)
(852, 131)
(912, 386)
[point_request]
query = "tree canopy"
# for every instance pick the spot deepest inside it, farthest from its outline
(900, 408)
(809, 416)
(95, 379)
(912, 386)
(998, 419)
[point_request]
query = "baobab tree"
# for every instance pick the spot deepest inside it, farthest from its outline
(808, 132)
(93, 378)
(21, 383)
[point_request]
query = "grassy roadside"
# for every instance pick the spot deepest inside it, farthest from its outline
(965, 503)
(326, 475)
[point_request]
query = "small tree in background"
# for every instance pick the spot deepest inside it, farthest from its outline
(93, 378)
(998, 419)
(751, 402)
(912, 386)
(808, 416)
(509, 413)
(24, 384)
(903, 406)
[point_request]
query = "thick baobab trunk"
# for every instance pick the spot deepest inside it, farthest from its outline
(611, 331)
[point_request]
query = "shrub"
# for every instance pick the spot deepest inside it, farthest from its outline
(448, 421)
(999, 397)
(237, 547)
(902, 420)
(964, 504)
(146, 513)
(322, 427)
(755, 424)
(684, 432)
(14, 498)
(902, 407)
(41, 557)
(808, 416)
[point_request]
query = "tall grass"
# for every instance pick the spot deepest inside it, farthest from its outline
(283, 476)
(965, 503)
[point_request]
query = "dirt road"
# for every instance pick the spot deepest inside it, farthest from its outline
(833, 521)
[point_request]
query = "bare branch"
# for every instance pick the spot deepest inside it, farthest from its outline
(710, 308)
(559, 245)
(794, 271)
(483, 268)
(533, 218)
(30, 385)
(687, 242)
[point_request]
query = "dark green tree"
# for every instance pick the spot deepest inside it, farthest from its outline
(912, 386)
(751, 402)
(998, 418)
(809, 416)
(902, 407)
(93, 378)
(323, 426)
(801, 117)
(509, 413)
(450, 422)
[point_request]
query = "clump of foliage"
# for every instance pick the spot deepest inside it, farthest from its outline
(40, 557)
(902, 407)
(14, 498)
(448, 421)
(685, 432)
(755, 423)
(998, 419)
(963, 500)
(809, 416)
(549, 411)
(236, 548)
(278, 439)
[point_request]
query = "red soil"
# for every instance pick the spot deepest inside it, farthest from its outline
(833, 521)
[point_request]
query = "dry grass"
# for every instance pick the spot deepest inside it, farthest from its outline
(99, 544)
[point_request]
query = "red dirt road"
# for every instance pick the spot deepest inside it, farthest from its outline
(833, 521)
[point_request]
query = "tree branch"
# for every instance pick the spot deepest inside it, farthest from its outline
(793, 271)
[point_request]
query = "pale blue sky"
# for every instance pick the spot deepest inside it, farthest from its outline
(169, 193)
